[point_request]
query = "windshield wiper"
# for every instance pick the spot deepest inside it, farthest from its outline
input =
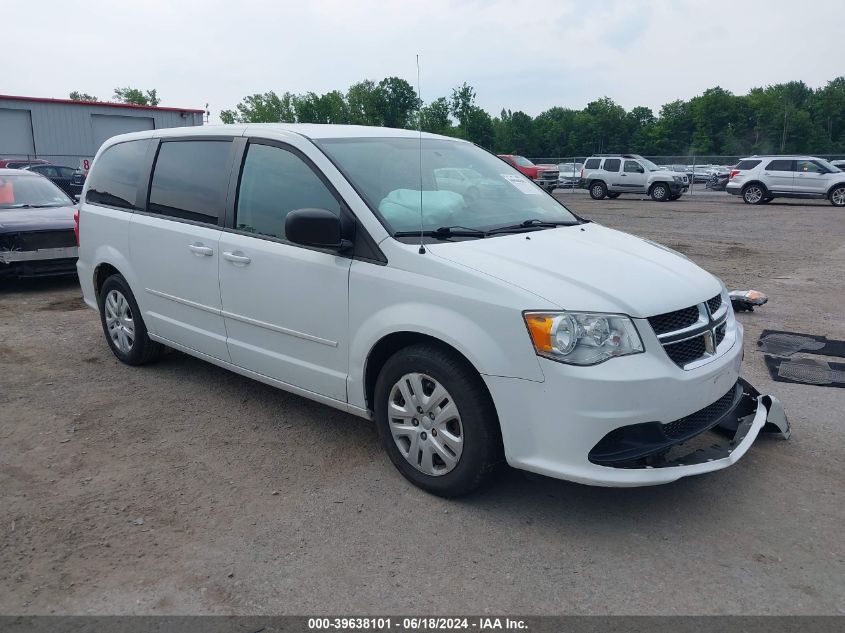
(444, 232)
(534, 223)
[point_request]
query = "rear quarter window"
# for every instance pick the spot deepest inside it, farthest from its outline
(747, 164)
(592, 163)
(113, 180)
(781, 165)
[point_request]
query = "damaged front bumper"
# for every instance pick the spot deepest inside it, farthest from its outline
(688, 446)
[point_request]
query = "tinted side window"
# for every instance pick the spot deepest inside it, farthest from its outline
(632, 166)
(274, 183)
(114, 177)
(781, 165)
(747, 164)
(190, 180)
(592, 163)
(612, 164)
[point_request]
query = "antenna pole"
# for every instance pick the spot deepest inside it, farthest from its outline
(419, 132)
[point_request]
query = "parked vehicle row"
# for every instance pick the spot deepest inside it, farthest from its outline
(325, 260)
(68, 179)
(761, 179)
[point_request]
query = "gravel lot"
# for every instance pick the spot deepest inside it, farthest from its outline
(182, 488)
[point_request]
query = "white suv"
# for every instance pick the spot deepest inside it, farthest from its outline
(332, 262)
(610, 175)
(761, 179)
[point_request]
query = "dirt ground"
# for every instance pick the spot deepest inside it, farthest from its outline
(182, 488)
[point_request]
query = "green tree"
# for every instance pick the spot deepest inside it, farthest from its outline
(82, 96)
(363, 102)
(396, 101)
(136, 96)
(435, 117)
(262, 108)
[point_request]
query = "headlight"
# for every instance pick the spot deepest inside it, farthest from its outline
(678, 178)
(582, 338)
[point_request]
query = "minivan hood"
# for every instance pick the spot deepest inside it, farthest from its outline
(588, 268)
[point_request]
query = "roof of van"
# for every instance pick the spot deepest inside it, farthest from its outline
(308, 130)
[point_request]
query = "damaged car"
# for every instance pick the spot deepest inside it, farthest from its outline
(37, 226)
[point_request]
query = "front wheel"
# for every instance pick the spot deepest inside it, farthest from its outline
(436, 420)
(837, 196)
(753, 194)
(122, 324)
(598, 190)
(660, 192)
(613, 196)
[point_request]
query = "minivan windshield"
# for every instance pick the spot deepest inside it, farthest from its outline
(458, 184)
(30, 192)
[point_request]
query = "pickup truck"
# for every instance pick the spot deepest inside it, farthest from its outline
(544, 175)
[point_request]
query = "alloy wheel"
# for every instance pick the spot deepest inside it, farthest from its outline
(425, 424)
(753, 194)
(119, 321)
(838, 197)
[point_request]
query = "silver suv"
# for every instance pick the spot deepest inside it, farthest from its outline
(761, 179)
(610, 175)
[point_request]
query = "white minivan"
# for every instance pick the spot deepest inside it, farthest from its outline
(337, 263)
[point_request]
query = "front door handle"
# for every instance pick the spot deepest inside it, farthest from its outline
(236, 257)
(198, 248)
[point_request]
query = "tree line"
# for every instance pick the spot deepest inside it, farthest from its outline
(782, 118)
(135, 96)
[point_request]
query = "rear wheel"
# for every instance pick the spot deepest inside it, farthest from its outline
(753, 194)
(837, 196)
(436, 420)
(660, 192)
(123, 326)
(598, 190)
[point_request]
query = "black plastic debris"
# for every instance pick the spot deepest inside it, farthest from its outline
(808, 371)
(745, 300)
(781, 343)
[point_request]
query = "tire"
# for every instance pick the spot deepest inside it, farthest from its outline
(660, 192)
(837, 196)
(598, 190)
(128, 337)
(468, 417)
(753, 193)
(613, 196)
(674, 197)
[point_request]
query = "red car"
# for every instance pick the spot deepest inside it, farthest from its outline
(544, 175)
(18, 163)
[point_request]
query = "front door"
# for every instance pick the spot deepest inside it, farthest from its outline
(285, 306)
(632, 177)
(810, 178)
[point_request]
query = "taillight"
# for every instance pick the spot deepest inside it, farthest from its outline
(76, 226)
(734, 172)
(582, 172)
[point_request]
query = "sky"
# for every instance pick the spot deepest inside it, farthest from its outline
(518, 55)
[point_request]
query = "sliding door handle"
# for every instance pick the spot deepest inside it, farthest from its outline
(201, 249)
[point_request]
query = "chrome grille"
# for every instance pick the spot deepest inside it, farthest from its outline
(692, 334)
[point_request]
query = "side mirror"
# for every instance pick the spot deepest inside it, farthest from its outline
(315, 227)
(77, 198)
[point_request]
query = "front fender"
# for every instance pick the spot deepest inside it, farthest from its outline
(510, 355)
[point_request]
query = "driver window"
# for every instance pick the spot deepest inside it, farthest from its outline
(808, 166)
(633, 167)
(274, 182)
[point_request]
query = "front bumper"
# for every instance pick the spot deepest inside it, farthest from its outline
(39, 263)
(550, 183)
(552, 427)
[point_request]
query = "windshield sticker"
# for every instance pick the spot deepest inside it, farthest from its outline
(522, 184)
